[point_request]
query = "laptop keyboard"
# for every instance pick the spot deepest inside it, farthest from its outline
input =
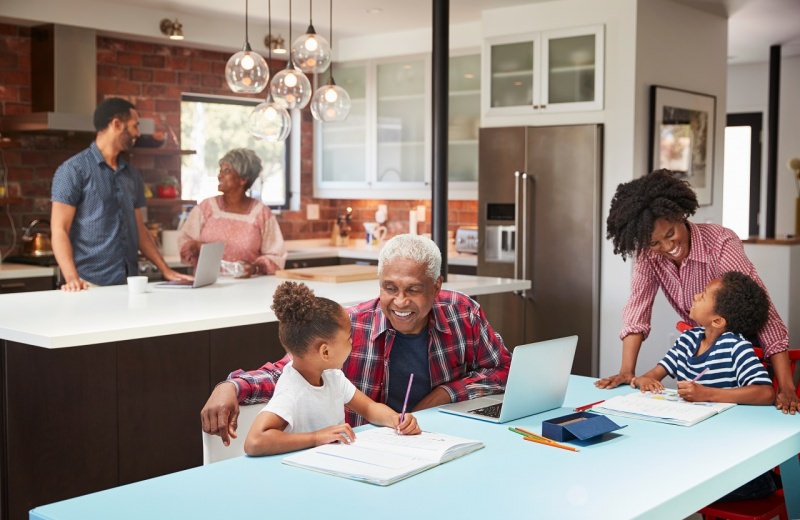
(489, 411)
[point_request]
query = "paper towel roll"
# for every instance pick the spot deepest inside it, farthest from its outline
(412, 222)
(169, 243)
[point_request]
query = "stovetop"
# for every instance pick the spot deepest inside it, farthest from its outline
(44, 261)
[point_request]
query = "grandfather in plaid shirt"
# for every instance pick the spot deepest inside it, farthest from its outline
(414, 326)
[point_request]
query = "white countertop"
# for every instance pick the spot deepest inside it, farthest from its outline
(55, 319)
(9, 271)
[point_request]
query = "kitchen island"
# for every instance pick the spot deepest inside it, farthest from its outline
(102, 388)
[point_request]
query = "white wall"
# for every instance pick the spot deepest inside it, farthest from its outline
(748, 91)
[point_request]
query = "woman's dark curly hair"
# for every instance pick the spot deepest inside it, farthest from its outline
(743, 304)
(304, 317)
(639, 203)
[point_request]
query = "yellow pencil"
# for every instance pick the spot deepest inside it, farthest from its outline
(547, 442)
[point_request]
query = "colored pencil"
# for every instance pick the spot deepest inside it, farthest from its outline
(551, 443)
(587, 406)
(535, 437)
(405, 401)
(698, 376)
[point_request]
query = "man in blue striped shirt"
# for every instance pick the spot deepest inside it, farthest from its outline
(96, 218)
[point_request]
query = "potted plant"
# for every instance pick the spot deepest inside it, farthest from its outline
(168, 188)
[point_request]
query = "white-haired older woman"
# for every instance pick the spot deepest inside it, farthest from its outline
(248, 227)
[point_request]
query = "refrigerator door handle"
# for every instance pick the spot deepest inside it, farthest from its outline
(522, 228)
(517, 181)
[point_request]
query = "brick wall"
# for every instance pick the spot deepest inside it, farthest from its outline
(153, 76)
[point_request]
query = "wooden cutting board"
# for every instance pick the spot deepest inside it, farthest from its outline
(331, 273)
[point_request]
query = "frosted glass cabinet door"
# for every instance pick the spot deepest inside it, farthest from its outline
(550, 71)
(344, 143)
(512, 74)
(401, 129)
(464, 118)
(573, 61)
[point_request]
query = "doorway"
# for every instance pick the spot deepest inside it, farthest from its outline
(742, 188)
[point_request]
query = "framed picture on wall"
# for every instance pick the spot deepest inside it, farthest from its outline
(682, 136)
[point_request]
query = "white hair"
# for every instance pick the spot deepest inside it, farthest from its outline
(414, 247)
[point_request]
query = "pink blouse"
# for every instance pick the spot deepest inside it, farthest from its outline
(254, 237)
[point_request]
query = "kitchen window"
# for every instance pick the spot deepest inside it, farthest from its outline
(213, 125)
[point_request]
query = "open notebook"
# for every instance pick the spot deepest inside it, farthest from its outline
(381, 456)
(664, 407)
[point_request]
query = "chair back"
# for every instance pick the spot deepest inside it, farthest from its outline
(215, 451)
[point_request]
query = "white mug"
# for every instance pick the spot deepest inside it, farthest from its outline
(137, 284)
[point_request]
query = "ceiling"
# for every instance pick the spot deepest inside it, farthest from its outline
(754, 25)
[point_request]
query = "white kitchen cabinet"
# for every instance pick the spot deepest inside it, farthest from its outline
(464, 120)
(341, 146)
(382, 150)
(543, 72)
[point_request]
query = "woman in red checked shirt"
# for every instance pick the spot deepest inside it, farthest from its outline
(648, 220)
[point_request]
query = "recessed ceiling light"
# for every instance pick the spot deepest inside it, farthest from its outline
(374, 10)
(469, 75)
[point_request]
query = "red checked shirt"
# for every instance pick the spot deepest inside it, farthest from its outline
(466, 356)
(714, 251)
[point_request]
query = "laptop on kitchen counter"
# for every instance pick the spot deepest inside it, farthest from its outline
(207, 271)
(537, 382)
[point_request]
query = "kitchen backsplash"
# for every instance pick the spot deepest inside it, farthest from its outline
(153, 76)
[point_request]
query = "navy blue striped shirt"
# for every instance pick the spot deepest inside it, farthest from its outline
(731, 361)
(104, 235)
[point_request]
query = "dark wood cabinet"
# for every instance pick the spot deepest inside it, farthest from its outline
(311, 262)
(38, 283)
(82, 419)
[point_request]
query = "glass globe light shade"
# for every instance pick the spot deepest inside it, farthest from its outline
(311, 53)
(247, 72)
(270, 122)
(330, 103)
(290, 88)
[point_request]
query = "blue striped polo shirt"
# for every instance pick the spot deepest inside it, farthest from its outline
(104, 235)
(731, 361)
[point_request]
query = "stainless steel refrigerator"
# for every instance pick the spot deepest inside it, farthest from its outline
(539, 219)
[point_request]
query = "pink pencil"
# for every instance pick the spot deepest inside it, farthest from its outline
(698, 376)
(405, 401)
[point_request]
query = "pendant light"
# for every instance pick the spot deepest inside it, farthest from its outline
(247, 72)
(330, 102)
(290, 87)
(311, 52)
(269, 121)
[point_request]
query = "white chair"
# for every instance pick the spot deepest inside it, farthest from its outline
(215, 451)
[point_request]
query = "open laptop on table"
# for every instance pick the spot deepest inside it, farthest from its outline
(537, 382)
(207, 271)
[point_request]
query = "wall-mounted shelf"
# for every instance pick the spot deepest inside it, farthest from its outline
(161, 151)
(155, 201)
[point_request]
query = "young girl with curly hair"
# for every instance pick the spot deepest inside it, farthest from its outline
(307, 408)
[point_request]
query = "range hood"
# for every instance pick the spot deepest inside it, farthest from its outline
(63, 82)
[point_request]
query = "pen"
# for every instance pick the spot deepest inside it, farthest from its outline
(587, 406)
(405, 401)
(698, 376)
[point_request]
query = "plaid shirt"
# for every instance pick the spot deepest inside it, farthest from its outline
(714, 251)
(466, 356)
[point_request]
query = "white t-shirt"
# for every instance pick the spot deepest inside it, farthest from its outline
(310, 408)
